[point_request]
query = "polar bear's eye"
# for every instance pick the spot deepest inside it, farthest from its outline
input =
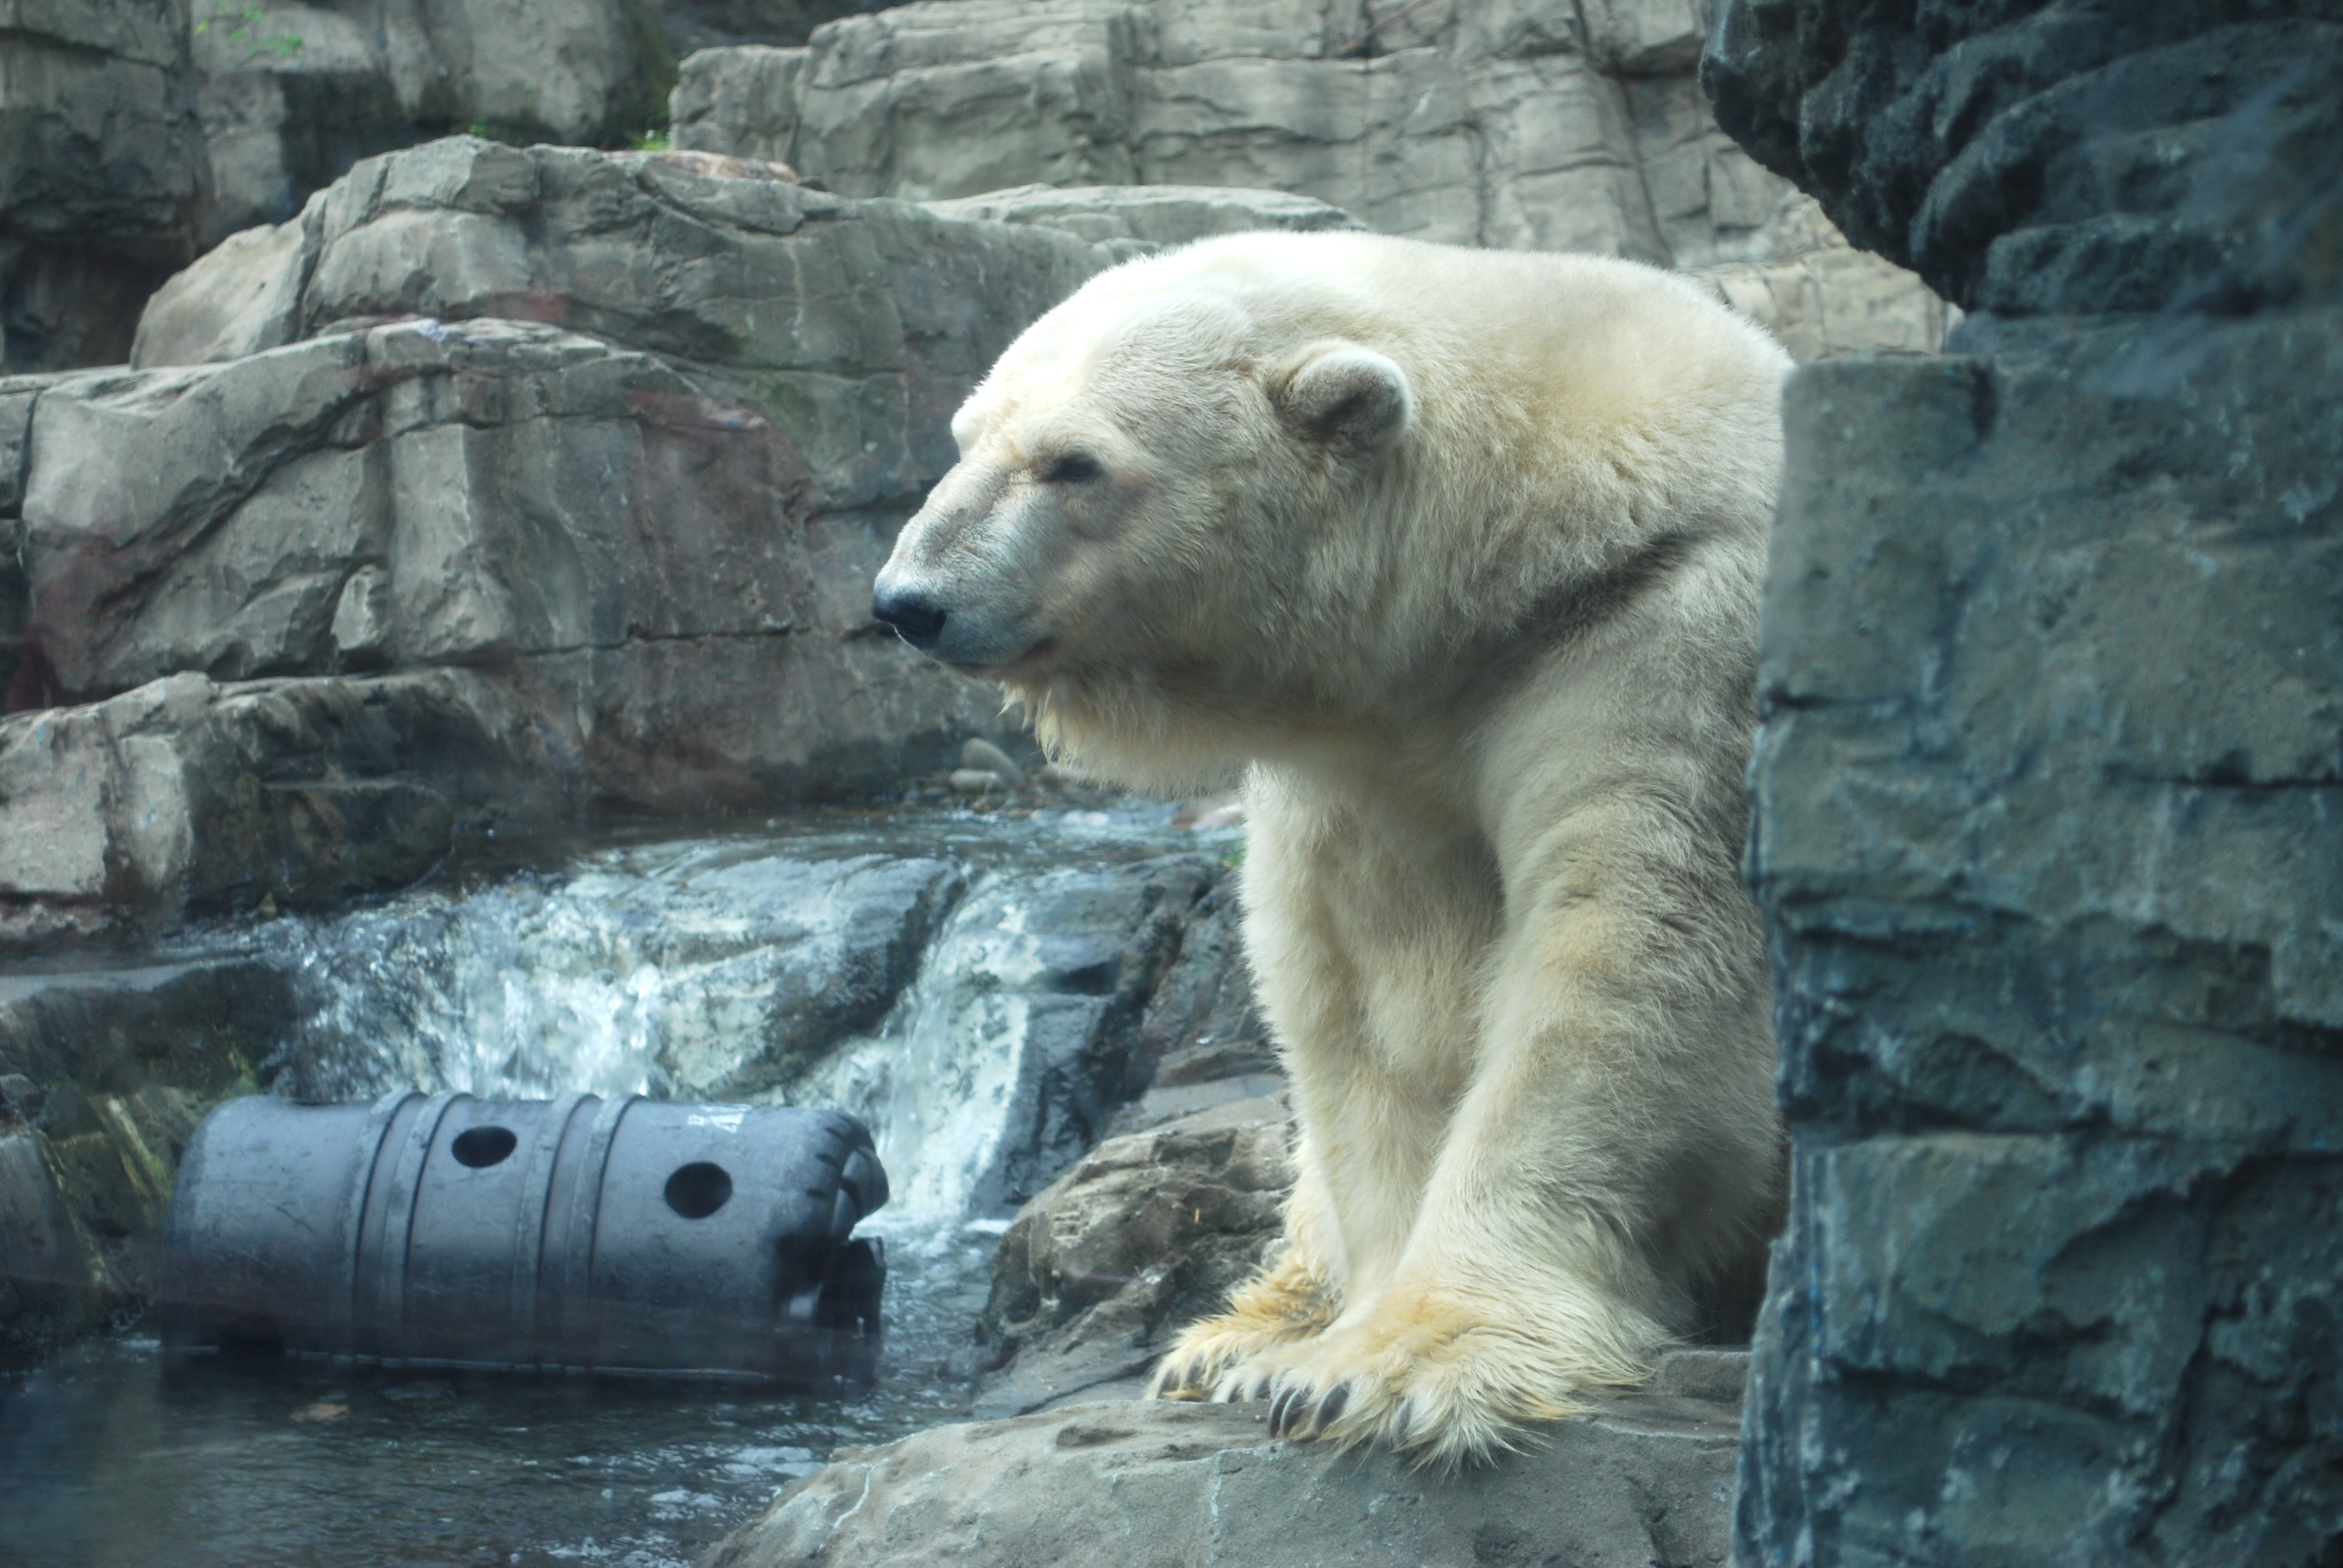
(1072, 468)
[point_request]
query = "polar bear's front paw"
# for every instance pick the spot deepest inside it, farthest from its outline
(1444, 1384)
(1212, 1357)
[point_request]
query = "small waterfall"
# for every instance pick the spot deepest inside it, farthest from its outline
(919, 990)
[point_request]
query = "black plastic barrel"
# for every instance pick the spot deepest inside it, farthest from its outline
(579, 1234)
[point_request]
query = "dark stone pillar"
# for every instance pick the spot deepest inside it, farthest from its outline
(2050, 794)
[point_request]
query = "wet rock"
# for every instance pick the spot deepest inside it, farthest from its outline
(977, 781)
(106, 1075)
(202, 1025)
(1202, 1024)
(49, 1290)
(817, 951)
(1146, 1233)
(1057, 966)
(1646, 1479)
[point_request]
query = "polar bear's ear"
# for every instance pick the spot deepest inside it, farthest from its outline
(1345, 396)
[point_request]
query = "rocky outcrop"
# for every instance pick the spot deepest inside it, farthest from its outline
(2046, 797)
(1146, 1234)
(1579, 130)
(1646, 1478)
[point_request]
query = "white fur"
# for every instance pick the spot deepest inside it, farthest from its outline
(1455, 553)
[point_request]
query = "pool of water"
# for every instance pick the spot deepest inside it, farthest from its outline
(106, 1460)
(530, 974)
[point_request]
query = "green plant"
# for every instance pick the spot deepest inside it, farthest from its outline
(477, 128)
(653, 139)
(250, 28)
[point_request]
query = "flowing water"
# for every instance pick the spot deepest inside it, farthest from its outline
(642, 965)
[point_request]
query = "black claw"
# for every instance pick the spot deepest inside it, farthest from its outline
(1331, 1407)
(1278, 1411)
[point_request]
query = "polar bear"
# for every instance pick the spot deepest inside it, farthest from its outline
(1456, 554)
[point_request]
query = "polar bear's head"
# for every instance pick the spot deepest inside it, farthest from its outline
(1142, 491)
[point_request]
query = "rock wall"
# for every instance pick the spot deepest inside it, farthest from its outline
(2049, 795)
(1490, 124)
(381, 463)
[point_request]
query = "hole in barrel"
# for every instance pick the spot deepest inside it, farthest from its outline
(697, 1190)
(481, 1147)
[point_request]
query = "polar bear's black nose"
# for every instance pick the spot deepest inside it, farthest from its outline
(915, 620)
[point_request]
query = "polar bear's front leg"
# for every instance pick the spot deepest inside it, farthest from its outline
(1291, 1299)
(1617, 1145)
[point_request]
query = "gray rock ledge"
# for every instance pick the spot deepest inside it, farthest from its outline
(1646, 1478)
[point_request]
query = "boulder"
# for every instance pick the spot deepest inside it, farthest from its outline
(243, 297)
(102, 1077)
(723, 263)
(637, 546)
(740, 100)
(1644, 1478)
(1146, 1233)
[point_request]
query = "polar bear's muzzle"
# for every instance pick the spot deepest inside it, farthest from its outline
(957, 587)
